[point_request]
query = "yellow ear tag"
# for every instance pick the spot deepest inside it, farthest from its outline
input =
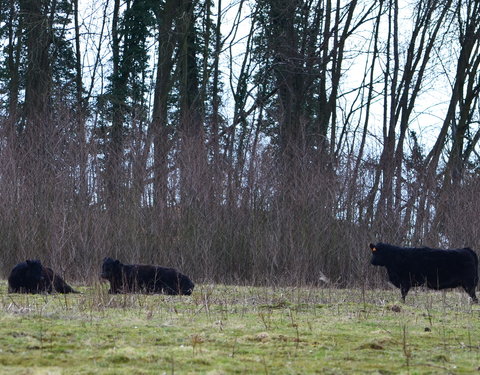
(374, 249)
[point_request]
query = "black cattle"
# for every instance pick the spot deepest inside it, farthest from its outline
(31, 277)
(139, 278)
(439, 269)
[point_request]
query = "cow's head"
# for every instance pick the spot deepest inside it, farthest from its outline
(110, 268)
(379, 257)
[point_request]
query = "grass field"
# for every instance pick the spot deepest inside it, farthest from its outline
(240, 330)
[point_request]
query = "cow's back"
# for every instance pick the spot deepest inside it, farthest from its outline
(444, 268)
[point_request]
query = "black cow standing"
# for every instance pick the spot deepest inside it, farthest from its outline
(439, 269)
(32, 277)
(140, 278)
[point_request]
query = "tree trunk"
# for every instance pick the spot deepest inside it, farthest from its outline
(113, 172)
(159, 126)
(194, 182)
(38, 79)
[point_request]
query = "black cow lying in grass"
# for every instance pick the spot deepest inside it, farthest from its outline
(439, 269)
(139, 278)
(31, 277)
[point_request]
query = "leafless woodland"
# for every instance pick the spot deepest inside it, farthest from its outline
(251, 142)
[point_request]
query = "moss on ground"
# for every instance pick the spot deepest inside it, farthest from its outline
(240, 330)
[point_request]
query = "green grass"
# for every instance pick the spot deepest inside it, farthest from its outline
(240, 330)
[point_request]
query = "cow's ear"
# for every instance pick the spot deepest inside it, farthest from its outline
(372, 246)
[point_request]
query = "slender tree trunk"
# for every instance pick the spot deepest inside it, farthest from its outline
(214, 145)
(159, 126)
(80, 113)
(13, 61)
(113, 171)
(385, 213)
(356, 169)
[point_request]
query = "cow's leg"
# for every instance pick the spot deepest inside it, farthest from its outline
(404, 289)
(471, 292)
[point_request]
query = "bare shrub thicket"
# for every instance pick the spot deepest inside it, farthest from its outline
(265, 229)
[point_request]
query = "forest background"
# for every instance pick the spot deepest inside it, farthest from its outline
(251, 142)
